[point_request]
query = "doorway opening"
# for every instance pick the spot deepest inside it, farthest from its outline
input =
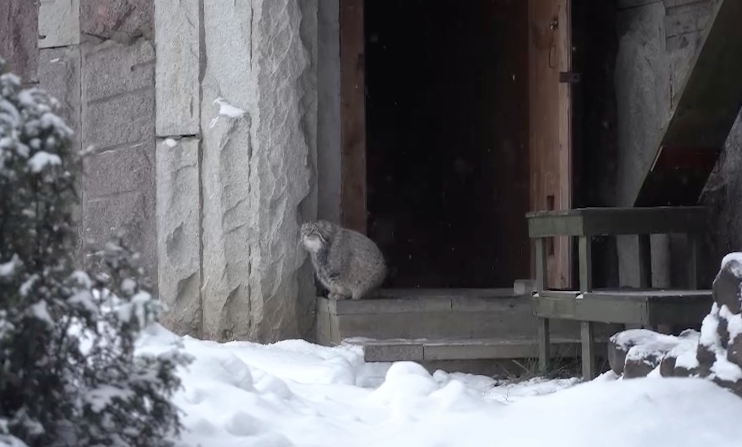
(447, 169)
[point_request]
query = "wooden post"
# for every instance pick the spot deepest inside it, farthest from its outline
(544, 342)
(541, 278)
(353, 115)
(587, 336)
(587, 330)
(544, 345)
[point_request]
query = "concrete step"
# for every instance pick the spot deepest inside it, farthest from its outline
(427, 350)
(436, 314)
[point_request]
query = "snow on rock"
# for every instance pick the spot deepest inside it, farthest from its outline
(636, 352)
(294, 393)
(169, 142)
(226, 109)
(714, 354)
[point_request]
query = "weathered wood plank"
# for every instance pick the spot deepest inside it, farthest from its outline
(617, 221)
(707, 106)
(642, 307)
(587, 338)
(353, 116)
(586, 264)
(544, 345)
(541, 265)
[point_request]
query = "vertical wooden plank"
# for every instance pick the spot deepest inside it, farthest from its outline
(645, 261)
(564, 45)
(587, 335)
(541, 267)
(550, 141)
(586, 264)
(544, 345)
(353, 116)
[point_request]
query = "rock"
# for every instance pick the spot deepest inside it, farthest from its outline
(177, 68)
(726, 286)
(730, 334)
(734, 353)
(119, 20)
(644, 358)
(258, 120)
(616, 357)
(620, 344)
(667, 366)
(682, 356)
(178, 229)
(637, 352)
(59, 23)
(642, 364)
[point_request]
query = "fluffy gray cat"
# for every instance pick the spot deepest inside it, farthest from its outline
(347, 263)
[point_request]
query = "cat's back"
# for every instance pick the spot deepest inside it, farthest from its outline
(358, 241)
(362, 250)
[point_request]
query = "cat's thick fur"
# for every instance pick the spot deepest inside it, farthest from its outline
(347, 263)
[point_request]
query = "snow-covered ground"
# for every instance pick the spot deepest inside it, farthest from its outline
(294, 393)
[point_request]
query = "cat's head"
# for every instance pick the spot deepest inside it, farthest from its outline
(316, 235)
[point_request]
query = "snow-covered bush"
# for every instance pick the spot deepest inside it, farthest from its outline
(68, 370)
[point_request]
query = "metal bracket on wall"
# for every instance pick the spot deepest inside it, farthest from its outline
(569, 77)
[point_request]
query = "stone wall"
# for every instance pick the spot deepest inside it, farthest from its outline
(97, 58)
(237, 129)
(206, 155)
(657, 40)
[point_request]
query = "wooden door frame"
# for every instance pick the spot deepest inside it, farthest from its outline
(542, 36)
(353, 208)
(353, 200)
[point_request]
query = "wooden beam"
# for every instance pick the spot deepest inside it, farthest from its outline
(353, 116)
(708, 104)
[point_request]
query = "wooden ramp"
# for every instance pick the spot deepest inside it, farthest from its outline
(708, 105)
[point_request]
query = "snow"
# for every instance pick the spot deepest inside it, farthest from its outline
(42, 159)
(637, 337)
(294, 393)
(734, 321)
(171, 143)
(710, 329)
(8, 269)
(40, 311)
(226, 109)
(100, 397)
(685, 351)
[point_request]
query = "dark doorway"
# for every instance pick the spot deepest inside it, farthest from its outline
(447, 149)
